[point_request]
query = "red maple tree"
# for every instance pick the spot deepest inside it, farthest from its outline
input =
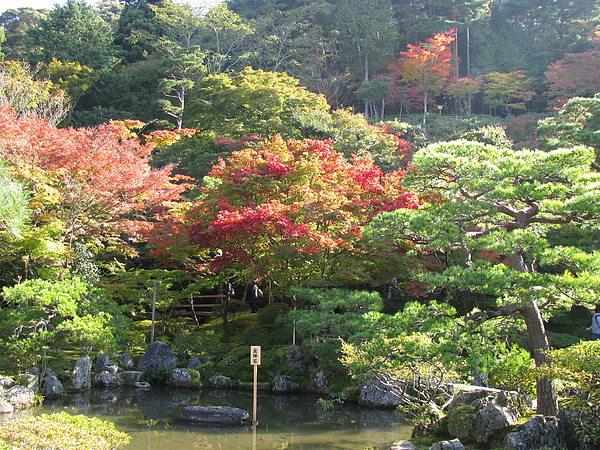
(425, 67)
(93, 184)
(290, 210)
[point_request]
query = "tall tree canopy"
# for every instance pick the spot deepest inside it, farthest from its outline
(74, 32)
(251, 102)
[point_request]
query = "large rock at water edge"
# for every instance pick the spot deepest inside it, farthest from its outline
(107, 379)
(6, 408)
(6, 382)
(477, 413)
(81, 377)
(53, 388)
(537, 432)
(104, 364)
(19, 396)
(158, 356)
(126, 360)
(131, 377)
(381, 393)
(184, 378)
(222, 415)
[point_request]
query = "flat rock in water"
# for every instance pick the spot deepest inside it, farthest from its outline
(222, 415)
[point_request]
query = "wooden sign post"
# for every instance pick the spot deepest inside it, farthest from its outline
(255, 362)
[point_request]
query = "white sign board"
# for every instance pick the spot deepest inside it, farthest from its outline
(255, 355)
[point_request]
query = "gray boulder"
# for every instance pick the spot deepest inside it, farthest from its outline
(537, 432)
(108, 379)
(195, 363)
(284, 383)
(157, 357)
(294, 358)
(104, 364)
(319, 381)
(31, 380)
(221, 381)
(182, 378)
(53, 388)
(222, 415)
(126, 360)
(454, 444)
(20, 397)
(81, 377)
(381, 393)
(476, 414)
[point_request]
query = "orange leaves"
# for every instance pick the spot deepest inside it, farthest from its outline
(426, 66)
(93, 179)
(297, 198)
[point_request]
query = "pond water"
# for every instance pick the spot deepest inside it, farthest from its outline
(284, 421)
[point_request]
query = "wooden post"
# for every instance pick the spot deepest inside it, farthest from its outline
(255, 361)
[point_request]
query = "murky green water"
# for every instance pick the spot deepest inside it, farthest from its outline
(285, 421)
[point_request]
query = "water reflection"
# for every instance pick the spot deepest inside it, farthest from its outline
(292, 421)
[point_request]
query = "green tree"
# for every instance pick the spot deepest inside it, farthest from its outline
(251, 102)
(508, 91)
(137, 30)
(225, 39)
(20, 89)
(367, 30)
(129, 91)
(576, 123)
(490, 211)
(72, 78)
(184, 68)
(374, 93)
(181, 28)
(14, 208)
(74, 32)
(463, 90)
(2, 40)
(58, 313)
(16, 22)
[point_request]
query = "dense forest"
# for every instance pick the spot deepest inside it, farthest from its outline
(407, 188)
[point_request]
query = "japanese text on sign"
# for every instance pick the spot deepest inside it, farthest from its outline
(255, 355)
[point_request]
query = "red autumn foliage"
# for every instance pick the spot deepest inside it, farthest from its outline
(289, 203)
(96, 181)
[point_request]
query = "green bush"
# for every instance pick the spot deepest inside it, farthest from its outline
(269, 313)
(578, 370)
(61, 431)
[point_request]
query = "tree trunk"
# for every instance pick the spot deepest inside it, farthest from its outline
(547, 403)
(425, 99)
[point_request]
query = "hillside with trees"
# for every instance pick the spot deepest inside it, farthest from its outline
(405, 189)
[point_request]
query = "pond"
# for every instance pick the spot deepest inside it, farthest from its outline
(291, 421)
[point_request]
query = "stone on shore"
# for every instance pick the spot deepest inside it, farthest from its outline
(81, 377)
(19, 397)
(53, 388)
